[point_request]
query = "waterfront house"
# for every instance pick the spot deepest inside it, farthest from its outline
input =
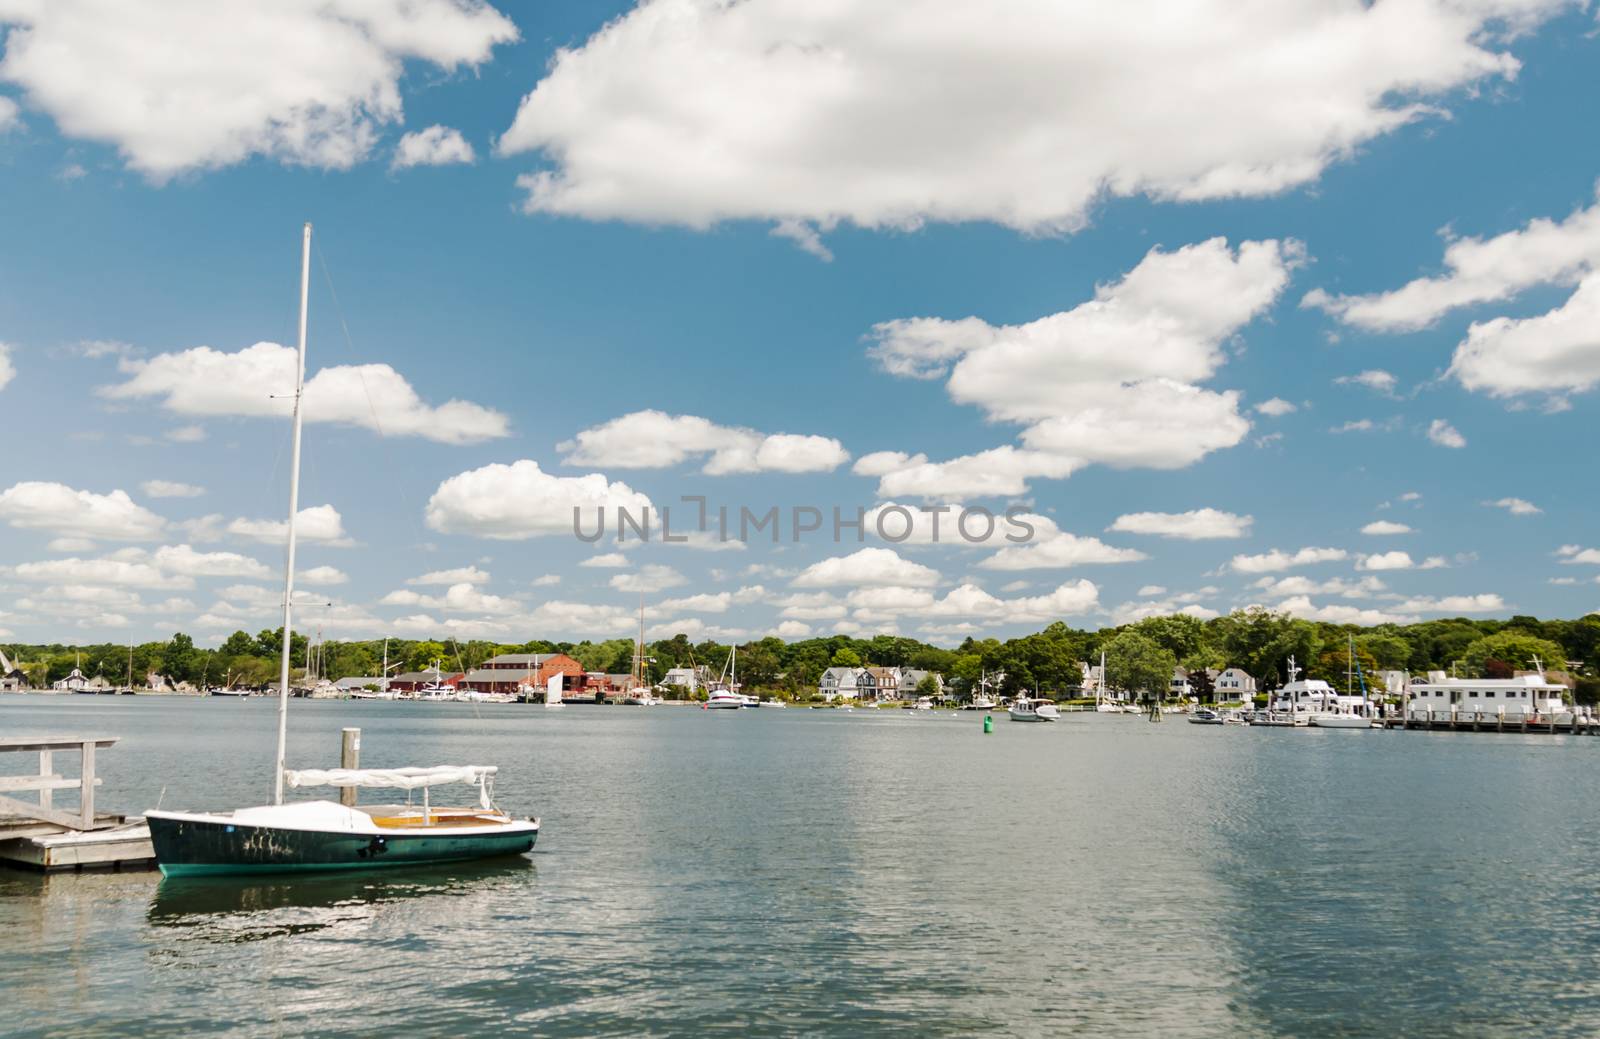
(1233, 684)
(838, 683)
(681, 677)
(73, 683)
(911, 678)
(1530, 693)
(1180, 687)
(12, 678)
(881, 683)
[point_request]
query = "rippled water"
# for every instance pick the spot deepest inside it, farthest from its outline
(808, 872)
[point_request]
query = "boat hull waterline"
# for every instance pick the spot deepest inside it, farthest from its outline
(188, 845)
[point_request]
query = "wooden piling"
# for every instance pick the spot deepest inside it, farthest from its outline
(349, 757)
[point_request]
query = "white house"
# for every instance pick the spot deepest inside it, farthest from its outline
(75, 682)
(1180, 687)
(1233, 684)
(1530, 695)
(839, 683)
(681, 676)
(911, 678)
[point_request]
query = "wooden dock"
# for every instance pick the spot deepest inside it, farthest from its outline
(1578, 723)
(41, 835)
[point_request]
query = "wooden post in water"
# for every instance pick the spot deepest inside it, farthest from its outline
(349, 757)
(87, 798)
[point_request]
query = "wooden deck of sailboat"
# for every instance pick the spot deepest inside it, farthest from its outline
(400, 817)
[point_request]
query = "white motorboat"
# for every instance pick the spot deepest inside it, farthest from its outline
(1342, 720)
(924, 703)
(724, 692)
(1206, 716)
(1024, 709)
(224, 691)
(723, 700)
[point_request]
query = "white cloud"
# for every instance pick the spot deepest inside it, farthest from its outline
(70, 545)
(1053, 549)
(706, 602)
(1130, 612)
(1395, 560)
(1110, 381)
(516, 501)
(652, 577)
(458, 598)
(1411, 496)
(545, 580)
(875, 606)
(656, 440)
(1303, 608)
(1385, 527)
(322, 576)
(10, 118)
(1577, 555)
(1276, 407)
(1194, 525)
(43, 505)
(8, 370)
(1555, 353)
(1300, 585)
(1516, 506)
(1277, 559)
(444, 578)
(1375, 379)
(869, 566)
(319, 524)
(881, 463)
(1479, 271)
(612, 560)
(435, 146)
(182, 559)
(258, 381)
(126, 573)
(1363, 425)
(1484, 603)
(792, 630)
(1152, 589)
(184, 86)
(694, 111)
(171, 489)
(1444, 434)
(186, 434)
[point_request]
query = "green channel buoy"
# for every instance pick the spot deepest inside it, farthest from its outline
(988, 723)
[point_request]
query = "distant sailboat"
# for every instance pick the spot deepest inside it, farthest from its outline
(326, 835)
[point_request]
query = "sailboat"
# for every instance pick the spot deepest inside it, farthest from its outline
(638, 691)
(1103, 704)
(1348, 711)
(326, 835)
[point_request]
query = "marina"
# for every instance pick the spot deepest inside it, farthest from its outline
(806, 820)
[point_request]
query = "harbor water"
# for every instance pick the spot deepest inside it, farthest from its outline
(827, 873)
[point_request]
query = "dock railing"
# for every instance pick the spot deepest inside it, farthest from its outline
(17, 815)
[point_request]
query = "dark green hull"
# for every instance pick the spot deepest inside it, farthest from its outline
(186, 848)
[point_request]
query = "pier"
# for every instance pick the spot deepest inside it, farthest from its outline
(1578, 723)
(41, 835)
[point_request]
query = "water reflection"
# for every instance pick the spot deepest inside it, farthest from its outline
(246, 909)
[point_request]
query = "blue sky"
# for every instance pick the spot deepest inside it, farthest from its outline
(916, 180)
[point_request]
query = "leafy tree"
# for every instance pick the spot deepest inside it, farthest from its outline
(1513, 647)
(845, 657)
(239, 644)
(1136, 664)
(1261, 641)
(928, 686)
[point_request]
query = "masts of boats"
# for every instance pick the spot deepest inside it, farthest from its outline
(724, 693)
(322, 834)
(638, 691)
(1349, 711)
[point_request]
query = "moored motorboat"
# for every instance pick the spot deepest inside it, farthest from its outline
(1024, 709)
(1206, 716)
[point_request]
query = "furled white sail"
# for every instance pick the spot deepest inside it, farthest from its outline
(391, 778)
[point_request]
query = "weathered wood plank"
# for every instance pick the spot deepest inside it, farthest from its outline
(70, 820)
(8, 743)
(43, 784)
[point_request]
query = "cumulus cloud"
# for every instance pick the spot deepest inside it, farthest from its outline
(322, 576)
(869, 566)
(1445, 435)
(1055, 549)
(1554, 353)
(1276, 407)
(445, 578)
(606, 560)
(1375, 379)
(8, 370)
(517, 501)
(656, 440)
(1277, 559)
(319, 524)
(694, 111)
(10, 119)
(171, 489)
(1516, 506)
(107, 571)
(176, 87)
(877, 606)
(183, 559)
(1486, 602)
(435, 146)
(1194, 525)
(1398, 560)
(463, 597)
(1111, 381)
(1338, 613)
(1385, 527)
(652, 577)
(1295, 585)
(63, 510)
(258, 381)
(1576, 554)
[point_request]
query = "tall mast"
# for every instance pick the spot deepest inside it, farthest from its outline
(294, 507)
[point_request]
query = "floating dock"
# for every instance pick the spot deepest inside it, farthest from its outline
(1579, 723)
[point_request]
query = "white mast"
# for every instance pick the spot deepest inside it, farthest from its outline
(294, 507)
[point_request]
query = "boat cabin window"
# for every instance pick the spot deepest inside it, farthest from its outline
(1489, 694)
